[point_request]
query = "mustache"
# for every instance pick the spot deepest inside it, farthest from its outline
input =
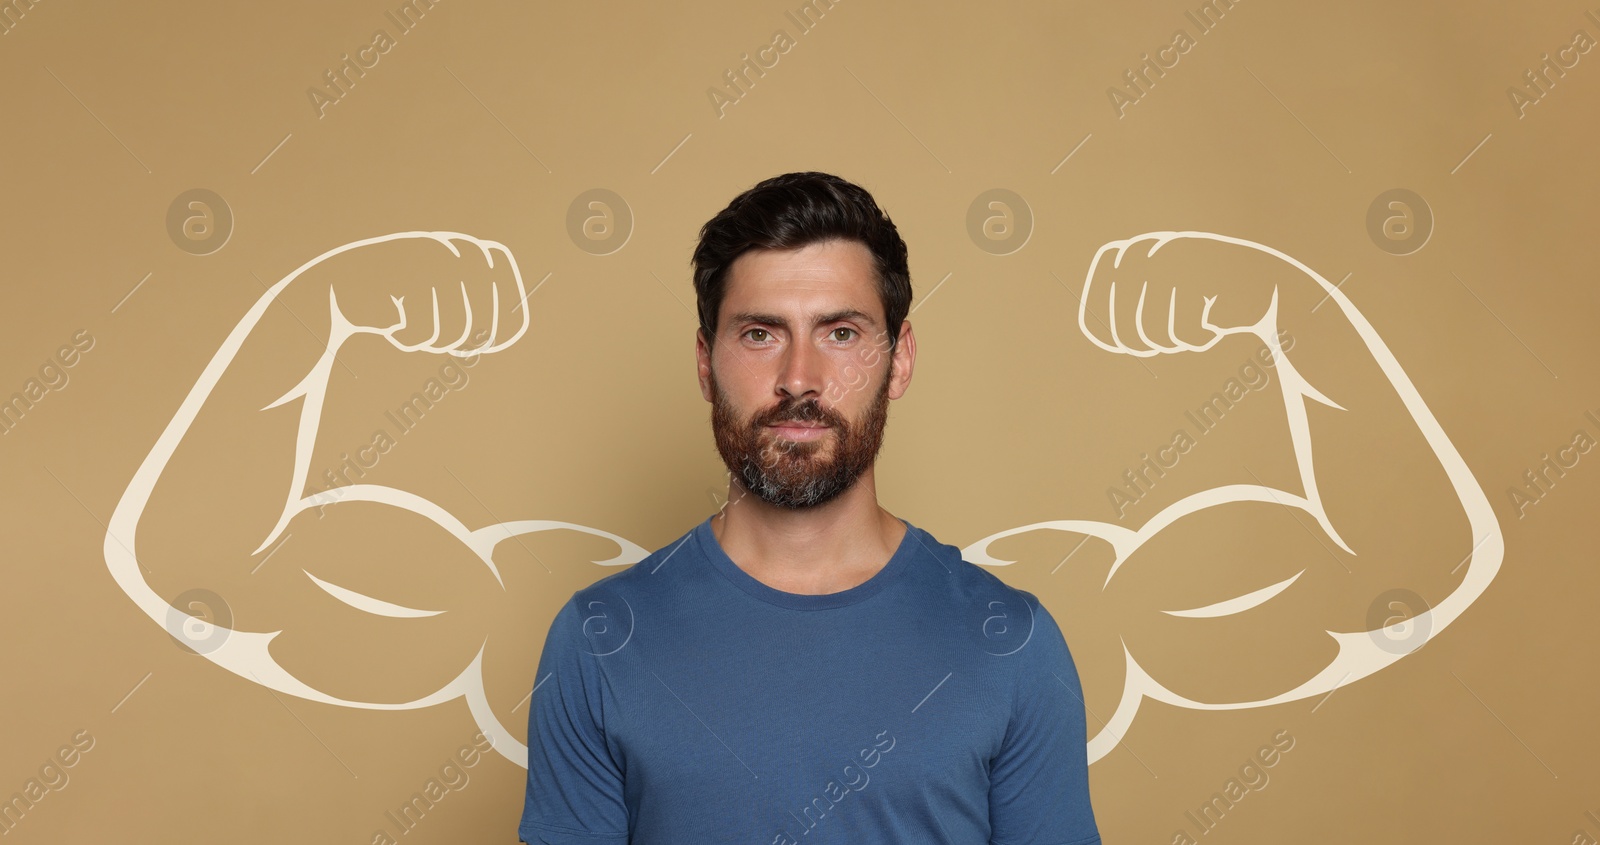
(800, 410)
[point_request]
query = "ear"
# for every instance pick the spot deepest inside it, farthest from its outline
(905, 358)
(702, 357)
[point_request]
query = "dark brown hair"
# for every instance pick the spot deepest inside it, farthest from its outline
(792, 211)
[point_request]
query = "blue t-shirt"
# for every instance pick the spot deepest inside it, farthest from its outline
(683, 702)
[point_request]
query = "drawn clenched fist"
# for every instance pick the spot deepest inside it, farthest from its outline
(1166, 292)
(439, 292)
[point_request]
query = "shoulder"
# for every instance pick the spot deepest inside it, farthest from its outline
(642, 580)
(599, 617)
(1002, 620)
(963, 581)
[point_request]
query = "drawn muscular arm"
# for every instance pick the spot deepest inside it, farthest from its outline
(1258, 588)
(1369, 463)
(236, 456)
(227, 473)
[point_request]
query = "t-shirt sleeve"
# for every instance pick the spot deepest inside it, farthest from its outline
(1039, 782)
(575, 787)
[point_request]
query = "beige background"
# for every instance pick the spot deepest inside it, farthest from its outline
(1281, 125)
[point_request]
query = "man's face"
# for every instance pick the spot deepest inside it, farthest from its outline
(800, 377)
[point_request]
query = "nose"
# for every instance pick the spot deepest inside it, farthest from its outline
(801, 371)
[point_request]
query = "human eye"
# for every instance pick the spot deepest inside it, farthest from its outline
(764, 335)
(851, 336)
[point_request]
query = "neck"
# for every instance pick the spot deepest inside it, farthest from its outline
(813, 551)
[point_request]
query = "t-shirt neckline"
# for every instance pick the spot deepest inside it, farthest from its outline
(712, 550)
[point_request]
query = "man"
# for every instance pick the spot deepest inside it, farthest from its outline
(805, 666)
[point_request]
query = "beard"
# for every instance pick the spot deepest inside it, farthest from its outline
(794, 473)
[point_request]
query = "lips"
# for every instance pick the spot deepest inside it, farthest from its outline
(799, 431)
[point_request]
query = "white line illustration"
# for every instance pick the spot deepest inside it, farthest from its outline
(1360, 653)
(248, 653)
